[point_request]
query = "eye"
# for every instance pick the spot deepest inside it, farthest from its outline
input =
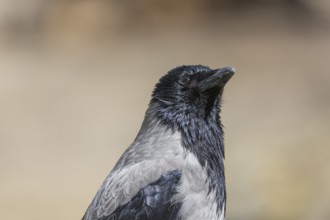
(184, 80)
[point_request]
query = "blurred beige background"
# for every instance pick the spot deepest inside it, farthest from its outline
(76, 78)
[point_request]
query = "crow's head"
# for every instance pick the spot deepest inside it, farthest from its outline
(189, 93)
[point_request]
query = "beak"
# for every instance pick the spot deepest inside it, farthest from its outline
(215, 78)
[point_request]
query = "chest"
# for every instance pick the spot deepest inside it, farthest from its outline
(198, 200)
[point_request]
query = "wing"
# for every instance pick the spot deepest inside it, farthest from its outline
(152, 202)
(155, 152)
(143, 188)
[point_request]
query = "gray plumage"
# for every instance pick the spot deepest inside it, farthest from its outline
(174, 168)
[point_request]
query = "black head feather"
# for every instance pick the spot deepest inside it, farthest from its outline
(178, 95)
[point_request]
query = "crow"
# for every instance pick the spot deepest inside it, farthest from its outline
(174, 169)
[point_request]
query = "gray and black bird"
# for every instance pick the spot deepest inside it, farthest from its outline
(174, 169)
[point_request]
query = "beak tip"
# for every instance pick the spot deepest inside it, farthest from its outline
(226, 73)
(229, 70)
(232, 69)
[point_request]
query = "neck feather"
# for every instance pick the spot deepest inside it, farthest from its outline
(203, 136)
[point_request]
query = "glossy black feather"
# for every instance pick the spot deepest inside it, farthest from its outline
(152, 202)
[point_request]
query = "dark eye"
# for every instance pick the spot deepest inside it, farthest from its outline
(184, 80)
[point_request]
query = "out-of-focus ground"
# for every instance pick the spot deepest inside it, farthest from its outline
(76, 78)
